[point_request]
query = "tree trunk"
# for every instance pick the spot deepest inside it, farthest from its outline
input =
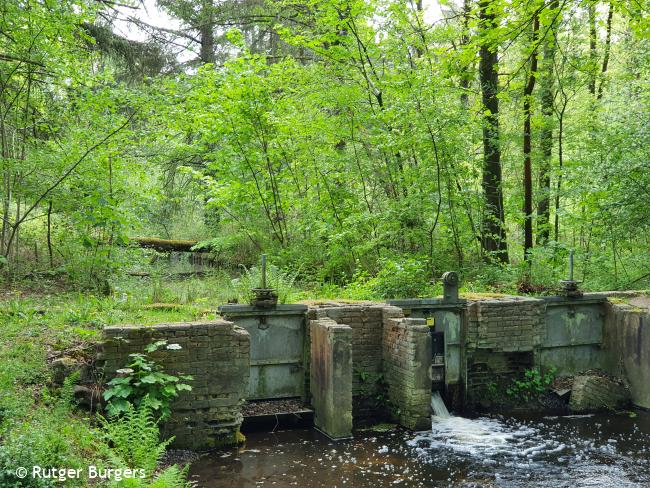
(6, 194)
(547, 89)
(164, 245)
(608, 44)
(593, 55)
(49, 234)
(206, 33)
(14, 240)
(466, 72)
(560, 162)
(493, 232)
(528, 172)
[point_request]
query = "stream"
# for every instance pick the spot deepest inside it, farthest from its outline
(604, 450)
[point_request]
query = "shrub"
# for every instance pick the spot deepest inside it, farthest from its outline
(144, 378)
(533, 384)
(403, 278)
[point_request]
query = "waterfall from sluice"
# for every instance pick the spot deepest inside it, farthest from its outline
(438, 406)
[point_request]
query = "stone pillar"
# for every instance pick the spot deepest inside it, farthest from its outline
(331, 377)
(407, 359)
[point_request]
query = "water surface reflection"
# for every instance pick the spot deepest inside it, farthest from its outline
(576, 451)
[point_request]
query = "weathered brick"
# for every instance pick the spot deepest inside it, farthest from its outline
(209, 350)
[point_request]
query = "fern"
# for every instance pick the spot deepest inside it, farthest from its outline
(134, 439)
(282, 281)
(172, 477)
(66, 395)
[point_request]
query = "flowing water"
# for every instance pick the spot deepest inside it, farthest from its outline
(611, 450)
(438, 406)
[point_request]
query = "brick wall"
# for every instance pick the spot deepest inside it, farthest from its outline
(512, 324)
(407, 359)
(390, 357)
(366, 322)
(215, 353)
(502, 336)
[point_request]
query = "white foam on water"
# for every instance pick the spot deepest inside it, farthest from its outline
(512, 450)
(478, 437)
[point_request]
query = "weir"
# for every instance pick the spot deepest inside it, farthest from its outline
(342, 365)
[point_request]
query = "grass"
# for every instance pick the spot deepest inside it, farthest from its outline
(38, 424)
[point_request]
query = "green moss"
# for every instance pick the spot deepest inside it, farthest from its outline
(482, 296)
(381, 427)
(227, 440)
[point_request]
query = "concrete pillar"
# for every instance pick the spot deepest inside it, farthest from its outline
(331, 377)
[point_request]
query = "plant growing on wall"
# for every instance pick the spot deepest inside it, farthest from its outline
(281, 281)
(143, 378)
(534, 383)
(374, 392)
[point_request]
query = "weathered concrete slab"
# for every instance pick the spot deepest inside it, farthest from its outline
(331, 377)
(277, 348)
(627, 343)
(592, 393)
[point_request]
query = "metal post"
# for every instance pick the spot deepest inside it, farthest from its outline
(263, 271)
(570, 285)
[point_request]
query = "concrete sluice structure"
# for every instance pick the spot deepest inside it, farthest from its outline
(357, 362)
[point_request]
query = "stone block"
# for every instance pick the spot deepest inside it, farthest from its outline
(216, 353)
(592, 393)
(331, 377)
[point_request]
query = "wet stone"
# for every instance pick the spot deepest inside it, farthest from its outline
(592, 393)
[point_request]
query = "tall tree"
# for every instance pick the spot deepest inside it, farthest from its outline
(494, 231)
(527, 138)
(593, 46)
(547, 97)
(200, 19)
(608, 44)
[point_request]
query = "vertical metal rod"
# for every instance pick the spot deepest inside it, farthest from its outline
(263, 270)
(571, 265)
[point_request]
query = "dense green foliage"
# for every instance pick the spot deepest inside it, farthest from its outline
(532, 384)
(344, 138)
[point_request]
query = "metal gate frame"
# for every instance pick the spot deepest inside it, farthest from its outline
(278, 356)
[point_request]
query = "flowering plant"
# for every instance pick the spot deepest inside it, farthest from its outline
(144, 378)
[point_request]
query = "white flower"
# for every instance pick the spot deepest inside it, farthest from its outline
(174, 347)
(125, 371)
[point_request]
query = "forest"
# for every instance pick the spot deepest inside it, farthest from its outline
(152, 150)
(352, 141)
